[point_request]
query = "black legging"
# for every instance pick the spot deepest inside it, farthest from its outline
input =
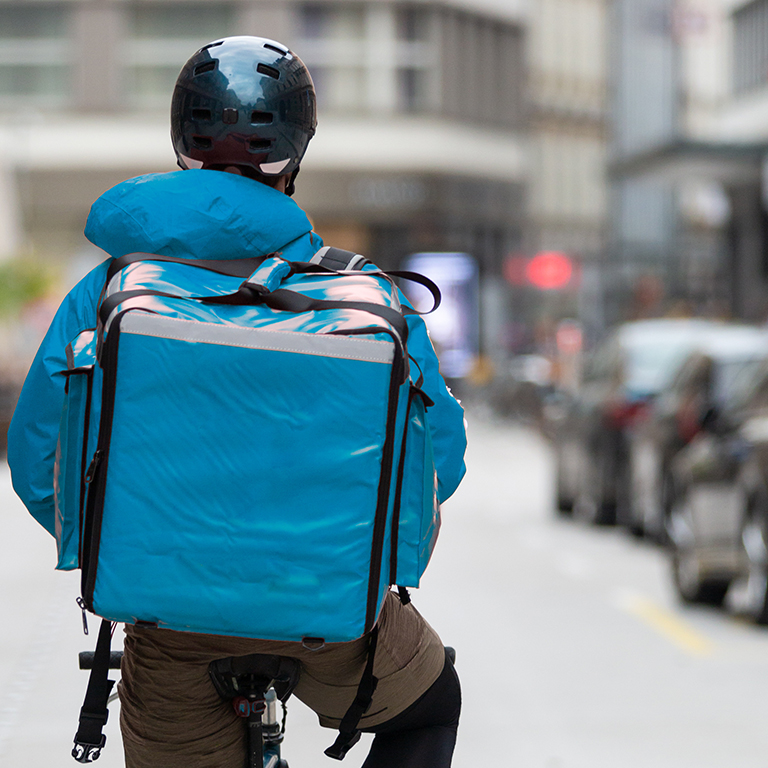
(424, 735)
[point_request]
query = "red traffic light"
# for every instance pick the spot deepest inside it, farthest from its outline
(549, 270)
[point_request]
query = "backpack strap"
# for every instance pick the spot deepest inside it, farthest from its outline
(231, 267)
(338, 259)
(349, 733)
(346, 261)
(89, 739)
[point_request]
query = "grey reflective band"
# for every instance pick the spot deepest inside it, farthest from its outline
(318, 257)
(355, 261)
(324, 345)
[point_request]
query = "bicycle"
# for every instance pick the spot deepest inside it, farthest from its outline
(253, 684)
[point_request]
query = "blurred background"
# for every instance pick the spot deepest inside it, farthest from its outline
(598, 161)
(587, 180)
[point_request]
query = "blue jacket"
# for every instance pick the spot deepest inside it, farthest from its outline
(193, 214)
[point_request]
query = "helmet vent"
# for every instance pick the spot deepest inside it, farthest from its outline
(201, 114)
(259, 145)
(203, 68)
(281, 51)
(211, 45)
(261, 118)
(269, 71)
(202, 142)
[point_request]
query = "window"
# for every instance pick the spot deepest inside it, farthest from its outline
(411, 89)
(483, 73)
(367, 57)
(332, 45)
(750, 46)
(34, 52)
(415, 58)
(160, 36)
(314, 21)
(412, 24)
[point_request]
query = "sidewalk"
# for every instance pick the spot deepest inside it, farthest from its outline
(41, 687)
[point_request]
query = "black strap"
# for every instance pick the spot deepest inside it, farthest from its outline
(231, 267)
(89, 739)
(291, 301)
(116, 299)
(306, 267)
(415, 277)
(404, 274)
(420, 380)
(281, 299)
(334, 260)
(349, 734)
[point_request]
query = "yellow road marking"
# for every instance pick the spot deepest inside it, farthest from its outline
(670, 626)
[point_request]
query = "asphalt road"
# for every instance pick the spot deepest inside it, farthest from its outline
(572, 650)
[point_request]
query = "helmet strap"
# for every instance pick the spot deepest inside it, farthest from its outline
(290, 187)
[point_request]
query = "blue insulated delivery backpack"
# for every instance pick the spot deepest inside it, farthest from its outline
(243, 449)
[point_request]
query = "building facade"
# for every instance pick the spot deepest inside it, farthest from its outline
(421, 114)
(691, 138)
(474, 126)
(568, 185)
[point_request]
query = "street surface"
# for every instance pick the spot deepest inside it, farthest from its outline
(572, 650)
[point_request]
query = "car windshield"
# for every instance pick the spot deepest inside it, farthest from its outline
(734, 381)
(652, 361)
(730, 377)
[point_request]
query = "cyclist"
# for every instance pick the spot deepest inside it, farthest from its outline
(243, 112)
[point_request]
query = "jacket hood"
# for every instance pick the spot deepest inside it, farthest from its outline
(195, 214)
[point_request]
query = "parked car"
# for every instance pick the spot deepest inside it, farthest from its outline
(519, 392)
(705, 381)
(591, 429)
(718, 520)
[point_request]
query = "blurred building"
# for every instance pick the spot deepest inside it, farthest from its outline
(421, 124)
(567, 60)
(444, 125)
(568, 197)
(689, 145)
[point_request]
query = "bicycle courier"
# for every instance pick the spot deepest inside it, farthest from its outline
(259, 459)
(239, 423)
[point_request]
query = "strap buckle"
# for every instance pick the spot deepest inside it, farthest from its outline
(344, 742)
(84, 752)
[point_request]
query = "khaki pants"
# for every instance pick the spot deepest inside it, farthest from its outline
(171, 716)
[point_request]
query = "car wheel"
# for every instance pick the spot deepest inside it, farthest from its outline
(755, 539)
(591, 504)
(623, 492)
(691, 585)
(633, 511)
(564, 501)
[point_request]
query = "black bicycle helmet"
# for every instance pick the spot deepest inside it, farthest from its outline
(247, 102)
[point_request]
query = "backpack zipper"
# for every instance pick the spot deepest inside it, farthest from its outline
(97, 472)
(385, 481)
